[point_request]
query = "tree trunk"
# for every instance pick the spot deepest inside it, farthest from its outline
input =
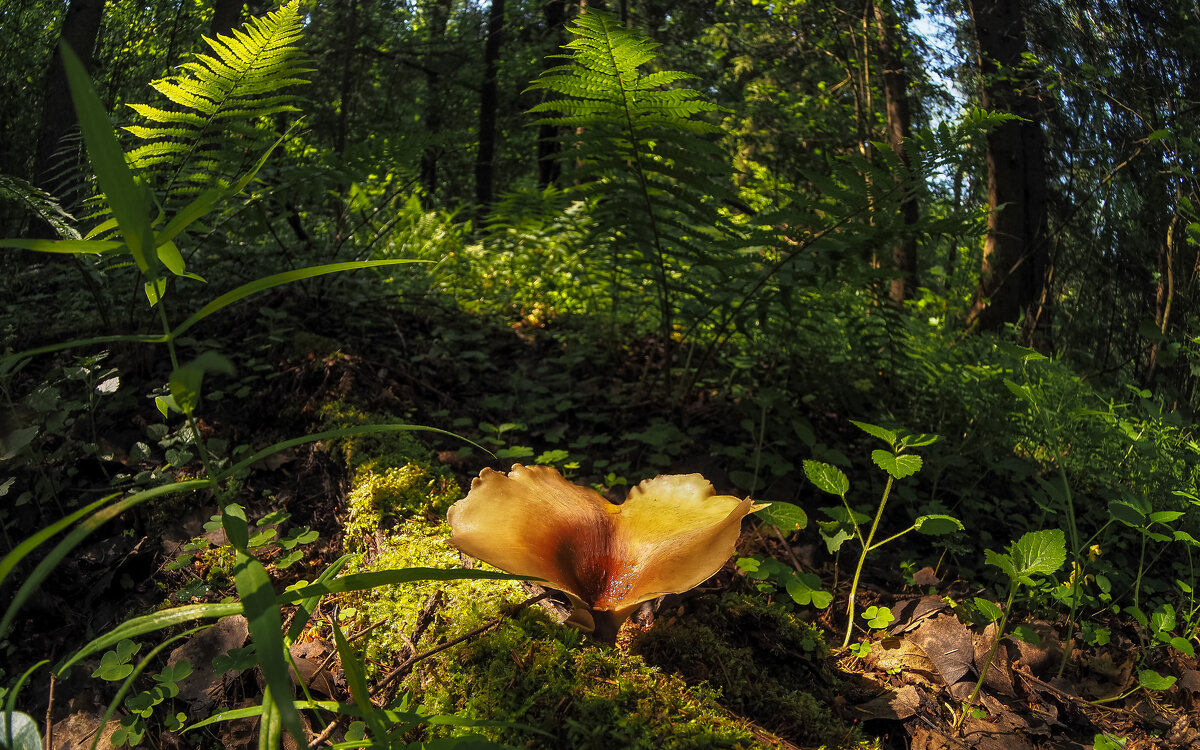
(1016, 250)
(548, 146)
(80, 27)
(227, 16)
(899, 128)
(485, 161)
(439, 16)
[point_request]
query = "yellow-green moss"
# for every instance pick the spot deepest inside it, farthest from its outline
(465, 605)
(408, 491)
(536, 672)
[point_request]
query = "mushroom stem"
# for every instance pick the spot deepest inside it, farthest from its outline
(607, 626)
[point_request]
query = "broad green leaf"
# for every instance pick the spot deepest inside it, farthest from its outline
(19, 731)
(784, 516)
(835, 535)
(233, 521)
(1152, 680)
(826, 477)
(266, 628)
(1182, 645)
(936, 525)
(186, 380)
(988, 609)
(878, 617)
(1027, 634)
(898, 466)
(1020, 391)
(1126, 513)
(356, 680)
(1165, 516)
(884, 434)
(919, 440)
(112, 172)
(805, 590)
(1001, 561)
(1039, 553)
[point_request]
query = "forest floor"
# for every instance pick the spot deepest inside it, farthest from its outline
(907, 692)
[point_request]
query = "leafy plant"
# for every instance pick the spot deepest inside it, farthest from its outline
(898, 463)
(1037, 553)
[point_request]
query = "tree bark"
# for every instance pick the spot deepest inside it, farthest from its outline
(439, 16)
(1016, 250)
(548, 146)
(79, 29)
(899, 128)
(485, 161)
(227, 16)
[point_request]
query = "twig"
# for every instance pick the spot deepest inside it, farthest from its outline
(49, 710)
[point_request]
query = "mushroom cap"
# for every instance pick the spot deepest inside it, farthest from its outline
(671, 534)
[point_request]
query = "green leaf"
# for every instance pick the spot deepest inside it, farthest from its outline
(1027, 634)
(1165, 516)
(884, 434)
(805, 589)
(784, 516)
(266, 628)
(233, 521)
(1152, 680)
(919, 440)
(19, 731)
(357, 682)
(1126, 513)
(1035, 553)
(937, 525)
(878, 618)
(160, 620)
(826, 477)
(186, 380)
(68, 247)
(988, 609)
(287, 277)
(898, 466)
(116, 180)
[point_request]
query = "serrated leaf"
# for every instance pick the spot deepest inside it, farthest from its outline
(898, 467)
(1126, 513)
(784, 516)
(826, 477)
(884, 434)
(1152, 680)
(937, 525)
(988, 609)
(1027, 634)
(1165, 516)
(1039, 553)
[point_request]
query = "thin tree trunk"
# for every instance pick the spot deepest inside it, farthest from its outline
(79, 29)
(1016, 250)
(485, 161)
(899, 128)
(439, 16)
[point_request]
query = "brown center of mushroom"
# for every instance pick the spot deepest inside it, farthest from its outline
(592, 564)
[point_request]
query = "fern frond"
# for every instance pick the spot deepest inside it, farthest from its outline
(645, 153)
(241, 81)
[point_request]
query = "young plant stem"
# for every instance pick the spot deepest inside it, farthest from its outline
(987, 663)
(862, 558)
(1077, 557)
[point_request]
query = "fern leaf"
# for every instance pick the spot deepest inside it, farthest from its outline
(243, 80)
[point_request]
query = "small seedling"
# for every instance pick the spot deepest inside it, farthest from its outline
(898, 463)
(1037, 553)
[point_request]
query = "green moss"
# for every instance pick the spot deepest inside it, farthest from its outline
(465, 603)
(218, 563)
(765, 662)
(534, 671)
(408, 491)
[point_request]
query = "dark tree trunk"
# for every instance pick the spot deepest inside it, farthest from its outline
(227, 16)
(439, 16)
(548, 145)
(1016, 250)
(485, 161)
(80, 27)
(899, 128)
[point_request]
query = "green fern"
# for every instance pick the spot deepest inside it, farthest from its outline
(641, 151)
(219, 102)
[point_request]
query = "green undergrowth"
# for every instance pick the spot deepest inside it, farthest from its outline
(766, 663)
(533, 670)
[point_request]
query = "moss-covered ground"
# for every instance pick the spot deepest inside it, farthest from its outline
(692, 680)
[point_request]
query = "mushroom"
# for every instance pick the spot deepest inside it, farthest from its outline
(670, 535)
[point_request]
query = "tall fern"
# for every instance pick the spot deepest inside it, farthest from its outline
(641, 147)
(213, 126)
